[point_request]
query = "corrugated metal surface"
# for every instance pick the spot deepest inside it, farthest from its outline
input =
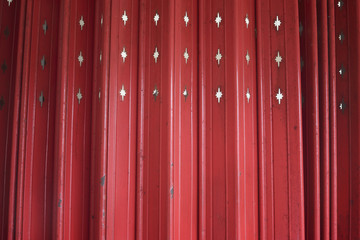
(179, 119)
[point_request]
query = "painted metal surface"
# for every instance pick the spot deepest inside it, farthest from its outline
(179, 119)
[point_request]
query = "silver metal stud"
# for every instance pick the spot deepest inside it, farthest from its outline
(186, 19)
(342, 105)
(279, 96)
(218, 20)
(80, 58)
(278, 59)
(342, 70)
(156, 18)
(186, 55)
(247, 57)
(79, 95)
(9, 2)
(248, 95)
(156, 54)
(340, 4)
(218, 56)
(41, 99)
(247, 21)
(125, 18)
(123, 54)
(218, 94)
(122, 92)
(277, 23)
(45, 27)
(341, 37)
(155, 92)
(81, 22)
(185, 93)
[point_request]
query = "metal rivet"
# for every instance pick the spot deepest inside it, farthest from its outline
(218, 56)
(41, 99)
(79, 96)
(247, 21)
(125, 18)
(156, 54)
(80, 58)
(186, 19)
(45, 27)
(81, 22)
(155, 92)
(9, 2)
(122, 92)
(277, 23)
(185, 93)
(218, 94)
(247, 57)
(123, 54)
(218, 20)
(342, 105)
(186, 55)
(279, 96)
(278, 59)
(156, 18)
(248, 95)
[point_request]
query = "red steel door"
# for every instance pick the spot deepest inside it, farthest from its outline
(179, 119)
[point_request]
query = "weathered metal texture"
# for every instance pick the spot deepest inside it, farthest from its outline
(280, 123)
(309, 64)
(155, 120)
(9, 35)
(347, 56)
(228, 184)
(73, 121)
(37, 122)
(184, 163)
(121, 151)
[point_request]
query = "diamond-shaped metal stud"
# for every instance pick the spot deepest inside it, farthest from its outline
(155, 92)
(342, 70)
(122, 92)
(340, 4)
(102, 20)
(218, 56)
(248, 95)
(342, 105)
(100, 56)
(278, 59)
(218, 20)
(341, 37)
(156, 54)
(186, 19)
(4, 66)
(125, 18)
(41, 99)
(79, 95)
(43, 62)
(123, 54)
(218, 94)
(156, 18)
(277, 23)
(186, 55)
(9, 2)
(81, 22)
(247, 21)
(247, 57)
(279, 96)
(80, 58)
(45, 27)
(185, 93)
(2, 102)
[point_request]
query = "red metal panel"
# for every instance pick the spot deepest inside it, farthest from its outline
(184, 166)
(121, 162)
(281, 157)
(72, 169)
(9, 35)
(228, 150)
(36, 171)
(310, 97)
(155, 120)
(353, 8)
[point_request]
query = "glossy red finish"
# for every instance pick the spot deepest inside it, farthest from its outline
(179, 119)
